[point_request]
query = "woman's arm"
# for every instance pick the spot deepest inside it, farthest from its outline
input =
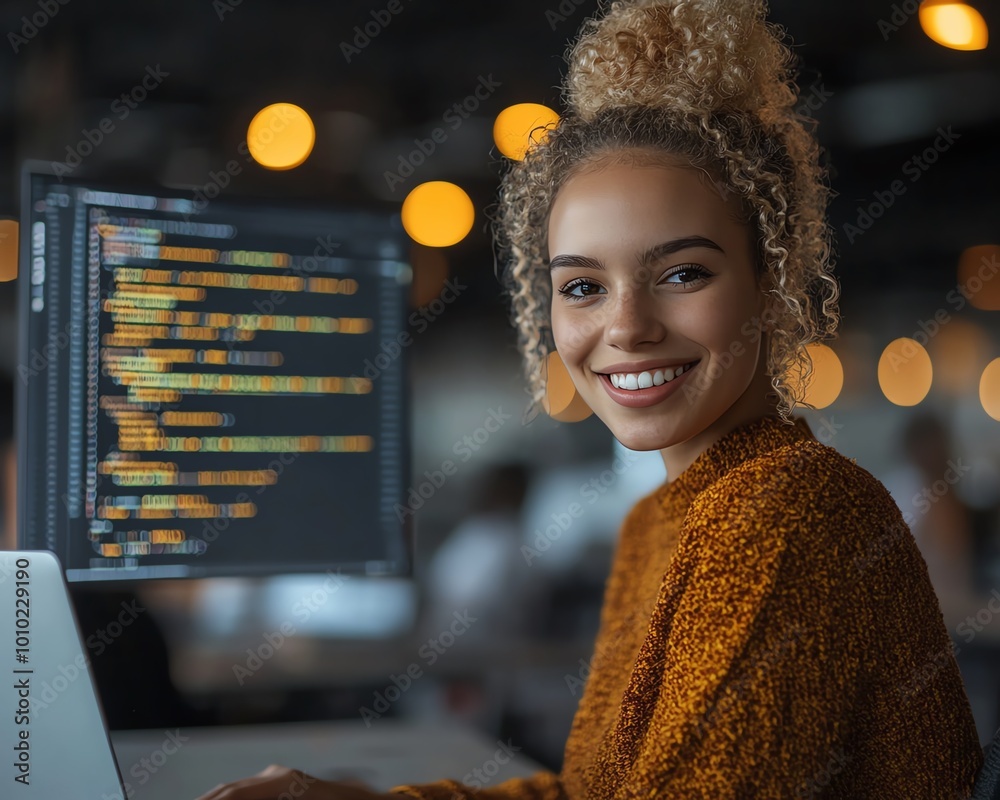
(766, 673)
(278, 782)
(755, 674)
(540, 786)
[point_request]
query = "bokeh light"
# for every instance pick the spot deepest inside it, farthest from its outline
(904, 372)
(512, 130)
(8, 249)
(989, 389)
(827, 379)
(953, 24)
(958, 352)
(561, 400)
(281, 136)
(438, 214)
(978, 280)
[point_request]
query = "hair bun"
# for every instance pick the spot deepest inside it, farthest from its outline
(699, 56)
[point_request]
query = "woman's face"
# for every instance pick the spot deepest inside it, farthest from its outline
(652, 271)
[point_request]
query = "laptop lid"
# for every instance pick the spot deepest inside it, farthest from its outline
(52, 729)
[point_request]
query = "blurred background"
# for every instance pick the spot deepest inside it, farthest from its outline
(909, 126)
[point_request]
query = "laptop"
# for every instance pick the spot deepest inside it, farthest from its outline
(57, 744)
(54, 734)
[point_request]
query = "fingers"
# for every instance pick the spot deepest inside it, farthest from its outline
(265, 785)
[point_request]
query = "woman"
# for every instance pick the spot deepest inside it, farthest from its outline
(769, 629)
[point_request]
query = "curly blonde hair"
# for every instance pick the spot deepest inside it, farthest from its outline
(708, 81)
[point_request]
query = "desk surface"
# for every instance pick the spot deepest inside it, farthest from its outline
(183, 764)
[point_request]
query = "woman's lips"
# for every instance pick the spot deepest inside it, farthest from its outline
(641, 398)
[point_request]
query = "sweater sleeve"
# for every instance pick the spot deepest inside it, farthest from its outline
(540, 786)
(755, 636)
(757, 676)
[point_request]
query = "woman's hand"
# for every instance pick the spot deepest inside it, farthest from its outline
(282, 782)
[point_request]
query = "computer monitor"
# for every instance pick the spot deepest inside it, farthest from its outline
(203, 389)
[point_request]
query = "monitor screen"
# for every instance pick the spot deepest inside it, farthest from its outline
(203, 389)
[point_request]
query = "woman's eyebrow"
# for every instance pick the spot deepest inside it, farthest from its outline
(666, 248)
(652, 254)
(564, 261)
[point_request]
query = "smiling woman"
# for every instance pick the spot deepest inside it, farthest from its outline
(767, 607)
(645, 318)
(668, 241)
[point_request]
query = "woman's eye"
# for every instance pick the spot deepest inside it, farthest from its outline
(693, 273)
(581, 288)
(569, 290)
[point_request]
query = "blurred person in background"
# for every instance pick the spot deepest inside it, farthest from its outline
(942, 524)
(944, 527)
(477, 579)
(479, 567)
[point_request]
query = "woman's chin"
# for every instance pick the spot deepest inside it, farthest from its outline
(641, 438)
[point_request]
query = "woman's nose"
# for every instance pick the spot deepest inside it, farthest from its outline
(633, 318)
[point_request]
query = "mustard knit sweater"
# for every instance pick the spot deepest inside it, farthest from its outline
(769, 630)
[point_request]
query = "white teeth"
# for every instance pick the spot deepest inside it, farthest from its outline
(644, 380)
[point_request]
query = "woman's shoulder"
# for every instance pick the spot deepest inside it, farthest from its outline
(804, 470)
(806, 485)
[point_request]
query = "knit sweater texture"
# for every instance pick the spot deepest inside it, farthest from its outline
(769, 630)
